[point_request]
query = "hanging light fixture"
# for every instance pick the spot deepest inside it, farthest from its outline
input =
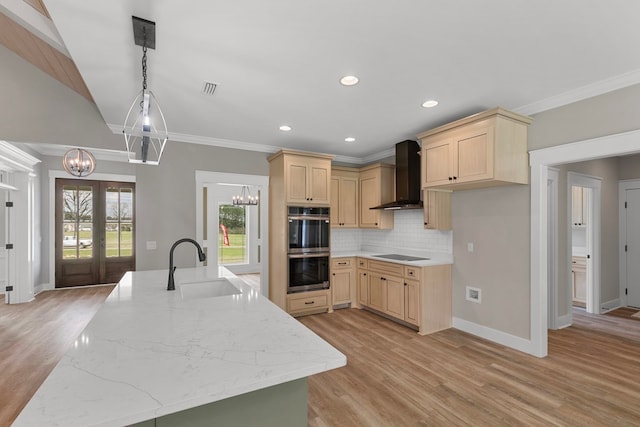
(79, 162)
(145, 130)
(245, 198)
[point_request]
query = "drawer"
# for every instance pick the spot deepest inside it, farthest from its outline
(341, 262)
(387, 268)
(362, 263)
(412, 272)
(306, 302)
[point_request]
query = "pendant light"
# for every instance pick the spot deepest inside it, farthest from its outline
(79, 162)
(245, 198)
(145, 129)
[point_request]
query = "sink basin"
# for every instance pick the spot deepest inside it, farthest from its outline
(398, 257)
(207, 289)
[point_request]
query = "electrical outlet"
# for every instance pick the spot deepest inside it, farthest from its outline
(151, 245)
(473, 294)
(469, 247)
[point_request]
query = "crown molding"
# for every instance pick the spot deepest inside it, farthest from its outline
(14, 159)
(56, 150)
(588, 91)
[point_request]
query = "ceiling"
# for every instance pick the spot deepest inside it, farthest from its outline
(279, 62)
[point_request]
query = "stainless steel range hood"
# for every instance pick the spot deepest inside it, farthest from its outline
(407, 178)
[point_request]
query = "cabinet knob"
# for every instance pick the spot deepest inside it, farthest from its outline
(455, 177)
(450, 178)
(376, 223)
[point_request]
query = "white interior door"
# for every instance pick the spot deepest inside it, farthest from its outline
(632, 214)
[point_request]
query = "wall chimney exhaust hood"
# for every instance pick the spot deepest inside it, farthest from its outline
(407, 178)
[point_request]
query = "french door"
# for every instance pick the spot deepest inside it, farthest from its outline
(95, 231)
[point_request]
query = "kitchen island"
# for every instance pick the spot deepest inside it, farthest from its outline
(151, 355)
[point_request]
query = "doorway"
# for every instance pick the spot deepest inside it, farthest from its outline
(244, 251)
(629, 195)
(584, 238)
(94, 231)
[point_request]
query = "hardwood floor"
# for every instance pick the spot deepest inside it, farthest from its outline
(251, 279)
(395, 377)
(35, 336)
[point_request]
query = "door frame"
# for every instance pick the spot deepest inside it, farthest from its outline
(623, 186)
(593, 264)
(552, 242)
(53, 174)
(620, 144)
(204, 178)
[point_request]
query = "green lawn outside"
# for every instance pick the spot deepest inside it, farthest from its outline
(112, 245)
(235, 253)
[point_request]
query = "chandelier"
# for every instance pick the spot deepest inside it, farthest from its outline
(245, 198)
(145, 130)
(79, 162)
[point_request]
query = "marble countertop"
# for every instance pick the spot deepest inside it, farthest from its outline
(148, 353)
(435, 258)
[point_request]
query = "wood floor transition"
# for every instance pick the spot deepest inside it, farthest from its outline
(394, 377)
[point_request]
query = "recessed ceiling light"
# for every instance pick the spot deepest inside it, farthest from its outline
(285, 128)
(349, 80)
(430, 103)
(349, 139)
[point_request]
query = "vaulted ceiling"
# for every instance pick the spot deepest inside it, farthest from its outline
(279, 62)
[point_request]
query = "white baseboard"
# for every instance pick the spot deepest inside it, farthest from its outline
(499, 337)
(564, 321)
(608, 306)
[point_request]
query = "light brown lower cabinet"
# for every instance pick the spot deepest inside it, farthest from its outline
(420, 296)
(303, 303)
(343, 281)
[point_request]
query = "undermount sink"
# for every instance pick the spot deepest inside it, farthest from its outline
(398, 257)
(207, 289)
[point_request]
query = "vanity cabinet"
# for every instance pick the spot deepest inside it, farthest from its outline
(377, 184)
(307, 178)
(579, 280)
(419, 296)
(344, 197)
(437, 209)
(578, 206)
(343, 280)
(482, 150)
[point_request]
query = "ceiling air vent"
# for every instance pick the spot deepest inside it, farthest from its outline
(209, 87)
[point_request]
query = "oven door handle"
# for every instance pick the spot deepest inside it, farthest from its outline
(310, 255)
(308, 218)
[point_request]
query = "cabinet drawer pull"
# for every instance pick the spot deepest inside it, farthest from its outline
(309, 302)
(342, 263)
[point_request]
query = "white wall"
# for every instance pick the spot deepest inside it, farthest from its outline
(408, 233)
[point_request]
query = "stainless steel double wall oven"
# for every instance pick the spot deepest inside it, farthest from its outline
(309, 252)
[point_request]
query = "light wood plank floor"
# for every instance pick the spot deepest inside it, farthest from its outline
(35, 336)
(395, 377)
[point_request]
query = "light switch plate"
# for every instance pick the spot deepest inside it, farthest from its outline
(469, 247)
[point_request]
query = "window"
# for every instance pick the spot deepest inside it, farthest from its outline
(119, 222)
(232, 241)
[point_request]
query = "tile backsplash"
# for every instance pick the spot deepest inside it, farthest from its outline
(408, 233)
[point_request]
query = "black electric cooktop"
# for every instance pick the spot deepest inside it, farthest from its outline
(398, 257)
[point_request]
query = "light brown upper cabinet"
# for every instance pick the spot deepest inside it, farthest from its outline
(344, 197)
(437, 209)
(307, 177)
(376, 187)
(482, 150)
